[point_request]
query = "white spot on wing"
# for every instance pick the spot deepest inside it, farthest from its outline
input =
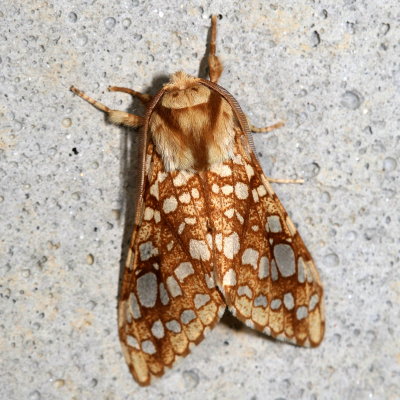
(274, 271)
(146, 287)
(173, 287)
(249, 323)
(134, 306)
(184, 270)
(148, 347)
(301, 270)
(173, 326)
(218, 241)
(227, 190)
(199, 250)
(157, 216)
(229, 213)
(274, 224)
(284, 257)
(200, 300)
(288, 301)
(275, 304)
(148, 214)
(154, 190)
(231, 245)
(260, 301)
(255, 195)
(245, 291)
(241, 191)
(163, 295)
(170, 245)
(190, 220)
(187, 316)
(170, 204)
(161, 176)
(250, 256)
(229, 278)
(261, 191)
(314, 299)
(239, 217)
(184, 198)
(209, 240)
(215, 188)
(157, 329)
(210, 281)
(132, 342)
(263, 271)
(195, 193)
(181, 227)
(146, 251)
(301, 312)
(221, 170)
(249, 171)
(267, 330)
(179, 180)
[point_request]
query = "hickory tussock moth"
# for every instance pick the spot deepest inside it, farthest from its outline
(209, 232)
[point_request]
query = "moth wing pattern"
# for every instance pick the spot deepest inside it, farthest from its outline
(168, 298)
(265, 272)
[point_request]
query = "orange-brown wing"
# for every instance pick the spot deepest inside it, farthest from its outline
(262, 266)
(168, 298)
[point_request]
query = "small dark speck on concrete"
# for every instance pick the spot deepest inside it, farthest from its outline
(75, 151)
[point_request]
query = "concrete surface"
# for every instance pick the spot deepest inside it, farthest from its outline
(329, 69)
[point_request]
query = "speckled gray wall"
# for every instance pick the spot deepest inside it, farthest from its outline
(329, 69)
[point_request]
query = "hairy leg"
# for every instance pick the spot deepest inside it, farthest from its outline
(115, 116)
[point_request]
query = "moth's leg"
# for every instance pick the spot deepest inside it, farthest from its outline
(214, 64)
(265, 128)
(284, 180)
(143, 97)
(115, 116)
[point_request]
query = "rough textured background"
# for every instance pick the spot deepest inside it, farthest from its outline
(329, 69)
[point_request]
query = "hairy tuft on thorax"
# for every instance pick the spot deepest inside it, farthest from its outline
(192, 125)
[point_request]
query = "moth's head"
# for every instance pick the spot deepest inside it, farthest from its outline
(184, 91)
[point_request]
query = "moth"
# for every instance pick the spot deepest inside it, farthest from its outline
(209, 232)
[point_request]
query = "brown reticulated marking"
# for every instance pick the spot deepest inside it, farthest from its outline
(194, 330)
(276, 320)
(207, 313)
(243, 305)
(259, 316)
(179, 343)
